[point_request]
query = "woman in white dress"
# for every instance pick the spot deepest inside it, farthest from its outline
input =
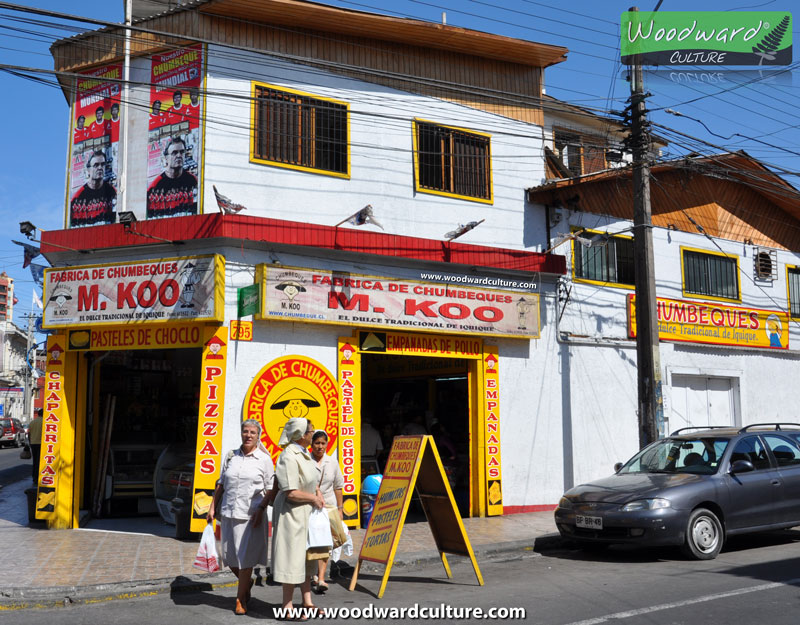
(244, 488)
(298, 479)
(330, 484)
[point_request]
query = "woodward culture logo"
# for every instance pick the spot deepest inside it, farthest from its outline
(707, 38)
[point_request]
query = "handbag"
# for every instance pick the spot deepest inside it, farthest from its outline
(337, 529)
(319, 529)
(207, 558)
(25, 454)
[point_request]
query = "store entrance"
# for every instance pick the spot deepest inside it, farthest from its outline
(141, 431)
(420, 395)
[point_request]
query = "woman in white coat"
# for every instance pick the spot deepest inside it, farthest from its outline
(298, 478)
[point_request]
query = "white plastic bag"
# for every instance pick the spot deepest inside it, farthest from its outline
(319, 529)
(346, 549)
(207, 558)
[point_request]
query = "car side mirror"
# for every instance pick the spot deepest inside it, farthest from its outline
(617, 467)
(742, 466)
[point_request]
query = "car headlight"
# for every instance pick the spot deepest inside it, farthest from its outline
(564, 503)
(646, 504)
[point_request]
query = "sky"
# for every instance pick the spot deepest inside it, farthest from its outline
(752, 111)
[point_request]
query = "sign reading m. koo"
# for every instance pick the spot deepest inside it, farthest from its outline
(706, 38)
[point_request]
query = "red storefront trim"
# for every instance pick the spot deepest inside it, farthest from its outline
(523, 509)
(278, 231)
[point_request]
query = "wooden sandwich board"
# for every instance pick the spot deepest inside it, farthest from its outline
(413, 461)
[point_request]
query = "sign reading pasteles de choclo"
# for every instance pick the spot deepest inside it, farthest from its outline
(190, 288)
(289, 387)
(323, 296)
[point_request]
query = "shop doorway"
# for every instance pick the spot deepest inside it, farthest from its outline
(421, 395)
(141, 429)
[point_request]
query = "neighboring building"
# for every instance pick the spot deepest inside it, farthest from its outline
(12, 376)
(726, 242)
(6, 297)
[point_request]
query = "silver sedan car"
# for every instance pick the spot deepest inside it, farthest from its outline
(694, 489)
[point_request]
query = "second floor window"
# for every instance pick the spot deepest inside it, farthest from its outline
(453, 162)
(300, 131)
(580, 154)
(710, 275)
(793, 279)
(611, 262)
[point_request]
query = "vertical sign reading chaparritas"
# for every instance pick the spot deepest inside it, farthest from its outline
(349, 381)
(207, 463)
(55, 402)
(491, 398)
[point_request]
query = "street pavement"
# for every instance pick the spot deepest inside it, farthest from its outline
(99, 562)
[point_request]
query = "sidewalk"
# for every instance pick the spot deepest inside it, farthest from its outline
(54, 566)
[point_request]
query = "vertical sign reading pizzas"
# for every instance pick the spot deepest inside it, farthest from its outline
(207, 464)
(491, 398)
(350, 427)
(55, 402)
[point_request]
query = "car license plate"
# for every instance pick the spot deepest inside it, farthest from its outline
(589, 522)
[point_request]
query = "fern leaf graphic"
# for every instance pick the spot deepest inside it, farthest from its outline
(767, 47)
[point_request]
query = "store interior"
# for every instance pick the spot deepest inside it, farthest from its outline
(141, 432)
(420, 395)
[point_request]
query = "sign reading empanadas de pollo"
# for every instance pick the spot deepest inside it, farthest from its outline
(170, 289)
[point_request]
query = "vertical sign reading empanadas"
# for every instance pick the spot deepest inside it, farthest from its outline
(491, 398)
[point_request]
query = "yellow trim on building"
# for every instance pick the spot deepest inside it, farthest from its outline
(616, 285)
(420, 189)
(262, 161)
(714, 298)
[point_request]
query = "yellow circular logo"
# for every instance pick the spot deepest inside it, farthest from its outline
(289, 387)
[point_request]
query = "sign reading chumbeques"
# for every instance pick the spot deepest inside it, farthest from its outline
(716, 324)
(172, 289)
(321, 296)
(174, 145)
(94, 147)
(289, 387)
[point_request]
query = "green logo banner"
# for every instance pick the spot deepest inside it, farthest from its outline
(248, 301)
(706, 38)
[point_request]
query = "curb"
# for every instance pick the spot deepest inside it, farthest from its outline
(59, 596)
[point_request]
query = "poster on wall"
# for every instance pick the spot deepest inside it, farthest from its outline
(94, 148)
(174, 145)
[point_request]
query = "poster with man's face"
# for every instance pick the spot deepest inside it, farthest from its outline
(175, 133)
(94, 148)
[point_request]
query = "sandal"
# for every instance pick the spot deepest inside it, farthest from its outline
(240, 609)
(312, 611)
(320, 589)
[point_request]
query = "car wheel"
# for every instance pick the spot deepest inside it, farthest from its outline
(704, 535)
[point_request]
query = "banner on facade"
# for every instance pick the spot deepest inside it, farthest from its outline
(289, 387)
(166, 336)
(322, 296)
(716, 324)
(94, 148)
(175, 136)
(55, 411)
(190, 288)
(208, 452)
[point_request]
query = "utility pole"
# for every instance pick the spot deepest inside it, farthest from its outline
(648, 358)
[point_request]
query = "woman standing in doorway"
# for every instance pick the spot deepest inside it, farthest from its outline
(331, 484)
(244, 486)
(298, 479)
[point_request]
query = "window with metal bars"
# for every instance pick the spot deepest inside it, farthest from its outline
(611, 262)
(453, 162)
(793, 278)
(710, 275)
(580, 154)
(300, 131)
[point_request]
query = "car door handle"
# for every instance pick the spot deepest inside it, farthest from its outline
(775, 482)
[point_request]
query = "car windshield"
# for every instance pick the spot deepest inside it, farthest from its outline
(5, 423)
(679, 455)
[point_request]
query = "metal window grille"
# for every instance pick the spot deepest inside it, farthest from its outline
(453, 161)
(709, 274)
(765, 264)
(612, 262)
(300, 130)
(794, 292)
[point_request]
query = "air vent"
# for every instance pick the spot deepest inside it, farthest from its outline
(765, 264)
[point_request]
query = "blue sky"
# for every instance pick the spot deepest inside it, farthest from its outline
(36, 116)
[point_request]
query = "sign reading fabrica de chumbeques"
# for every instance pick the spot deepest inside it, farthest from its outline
(330, 297)
(706, 37)
(190, 288)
